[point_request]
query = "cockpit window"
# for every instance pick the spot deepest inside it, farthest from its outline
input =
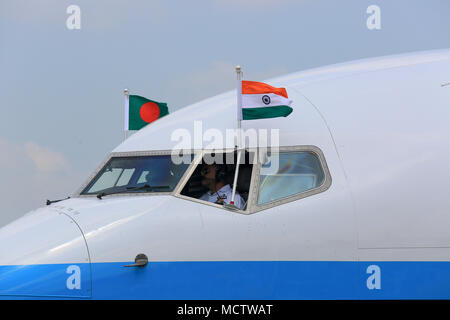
(213, 178)
(137, 174)
(287, 174)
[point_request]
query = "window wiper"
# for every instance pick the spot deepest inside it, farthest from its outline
(128, 189)
(49, 202)
(102, 194)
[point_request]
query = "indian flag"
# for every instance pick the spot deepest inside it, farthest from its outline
(260, 100)
(140, 111)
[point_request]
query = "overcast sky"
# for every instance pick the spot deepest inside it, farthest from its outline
(62, 90)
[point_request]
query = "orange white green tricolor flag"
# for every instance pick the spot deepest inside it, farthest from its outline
(260, 101)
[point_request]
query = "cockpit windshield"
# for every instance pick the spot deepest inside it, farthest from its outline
(137, 174)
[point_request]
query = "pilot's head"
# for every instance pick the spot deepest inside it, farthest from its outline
(214, 176)
(208, 173)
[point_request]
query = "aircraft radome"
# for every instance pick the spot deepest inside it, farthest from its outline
(357, 209)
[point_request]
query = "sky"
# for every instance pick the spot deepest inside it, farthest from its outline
(62, 89)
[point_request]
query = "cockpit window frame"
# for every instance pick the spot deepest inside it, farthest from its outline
(252, 201)
(326, 183)
(191, 169)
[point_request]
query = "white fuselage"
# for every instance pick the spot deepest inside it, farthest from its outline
(382, 128)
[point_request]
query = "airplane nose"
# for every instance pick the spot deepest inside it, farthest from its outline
(44, 254)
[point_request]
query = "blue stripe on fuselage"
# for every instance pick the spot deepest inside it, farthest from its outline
(230, 280)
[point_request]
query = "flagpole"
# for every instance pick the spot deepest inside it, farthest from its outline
(239, 117)
(126, 113)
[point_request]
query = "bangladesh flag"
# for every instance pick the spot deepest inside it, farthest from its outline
(140, 111)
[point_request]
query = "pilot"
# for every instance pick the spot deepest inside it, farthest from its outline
(215, 179)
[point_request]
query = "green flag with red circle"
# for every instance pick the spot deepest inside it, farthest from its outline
(140, 111)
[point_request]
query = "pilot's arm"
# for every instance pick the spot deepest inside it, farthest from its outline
(221, 198)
